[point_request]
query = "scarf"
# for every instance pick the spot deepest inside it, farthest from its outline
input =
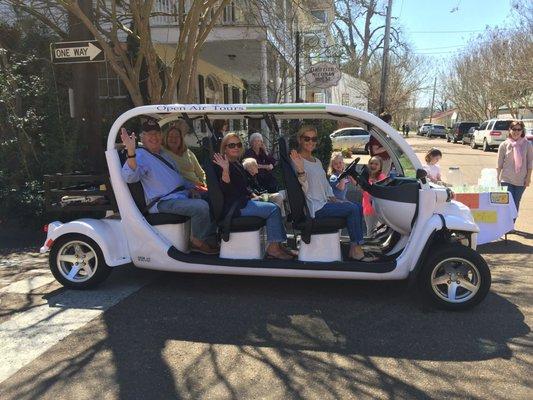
(518, 149)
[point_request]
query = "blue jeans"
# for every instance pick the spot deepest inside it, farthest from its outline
(271, 212)
(353, 213)
(516, 191)
(196, 209)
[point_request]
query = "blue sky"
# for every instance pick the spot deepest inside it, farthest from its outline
(434, 30)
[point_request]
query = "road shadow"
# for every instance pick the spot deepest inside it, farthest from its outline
(512, 245)
(267, 319)
(315, 331)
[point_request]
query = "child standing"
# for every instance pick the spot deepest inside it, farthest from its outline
(336, 167)
(432, 167)
(375, 169)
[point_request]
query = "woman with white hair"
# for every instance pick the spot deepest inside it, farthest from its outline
(265, 162)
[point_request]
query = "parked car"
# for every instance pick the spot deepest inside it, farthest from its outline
(354, 139)
(528, 123)
(490, 134)
(436, 130)
(458, 130)
(424, 129)
(467, 136)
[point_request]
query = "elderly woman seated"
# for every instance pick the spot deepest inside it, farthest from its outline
(261, 193)
(265, 162)
(232, 177)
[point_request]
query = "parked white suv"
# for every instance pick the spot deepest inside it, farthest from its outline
(423, 130)
(490, 134)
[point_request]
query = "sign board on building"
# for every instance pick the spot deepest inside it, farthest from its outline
(76, 52)
(323, 75)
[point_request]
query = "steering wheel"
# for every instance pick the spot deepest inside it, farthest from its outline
(350, 170)
(361, 178)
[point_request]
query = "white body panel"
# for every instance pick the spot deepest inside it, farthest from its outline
(325, 248)
(395, 214)
(133, 239)
(177, 234)
(244, 246)
(107, 233)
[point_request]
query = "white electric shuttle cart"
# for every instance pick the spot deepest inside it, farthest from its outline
(426, 236)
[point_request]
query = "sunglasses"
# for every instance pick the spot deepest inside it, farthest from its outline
(234, 145)
(517, 129)
(313, 139)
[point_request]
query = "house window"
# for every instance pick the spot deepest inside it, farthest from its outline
(110, 86)
(320, 15)
(228, 15)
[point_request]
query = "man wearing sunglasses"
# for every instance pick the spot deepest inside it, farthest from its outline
(165, 190)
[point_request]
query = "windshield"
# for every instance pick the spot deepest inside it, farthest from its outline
(502, 125)
(403, 164)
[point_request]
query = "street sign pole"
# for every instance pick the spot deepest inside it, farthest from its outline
(87, 112)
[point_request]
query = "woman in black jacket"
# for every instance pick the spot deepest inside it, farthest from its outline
(233, 181)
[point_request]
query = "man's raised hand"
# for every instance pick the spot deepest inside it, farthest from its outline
(128, 140)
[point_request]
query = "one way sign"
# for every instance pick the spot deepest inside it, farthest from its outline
(76, 52)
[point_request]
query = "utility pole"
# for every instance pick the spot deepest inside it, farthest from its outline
(385, 66)
(433, 100)
(86, 108)
(297, 66)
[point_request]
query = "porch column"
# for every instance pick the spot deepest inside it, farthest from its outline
(277, 79)
(285, 83)
(264, 73)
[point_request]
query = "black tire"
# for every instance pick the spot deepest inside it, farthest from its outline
(463, 141)
(463, 258)
(448, 140)
(454, 139)
(473, 144)
(486, 147)
(99, 270)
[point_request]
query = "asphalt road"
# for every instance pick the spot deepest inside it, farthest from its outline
(150, 335)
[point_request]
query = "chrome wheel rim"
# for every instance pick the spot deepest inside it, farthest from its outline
(455, 280)
(77, 261)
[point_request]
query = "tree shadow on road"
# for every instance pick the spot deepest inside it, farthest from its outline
(310, 337)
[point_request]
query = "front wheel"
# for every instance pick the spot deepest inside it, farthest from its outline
(77, 262)
(454, 278)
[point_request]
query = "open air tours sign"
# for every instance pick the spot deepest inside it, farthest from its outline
(323, 75)
(76, 52)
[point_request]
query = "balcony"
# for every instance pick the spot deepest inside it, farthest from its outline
(237, 23)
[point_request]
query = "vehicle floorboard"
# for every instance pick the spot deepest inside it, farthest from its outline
(378, 266)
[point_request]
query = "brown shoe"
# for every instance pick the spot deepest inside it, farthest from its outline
(204, 248)
(280, 255)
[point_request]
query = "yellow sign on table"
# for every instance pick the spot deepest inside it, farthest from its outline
(485, 217)
(499, 197)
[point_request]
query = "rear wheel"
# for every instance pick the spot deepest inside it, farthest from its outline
(486, 146)
(454, 277)
(77, 262)
(454, 138)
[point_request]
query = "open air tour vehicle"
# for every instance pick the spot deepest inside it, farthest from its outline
(425, 237)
